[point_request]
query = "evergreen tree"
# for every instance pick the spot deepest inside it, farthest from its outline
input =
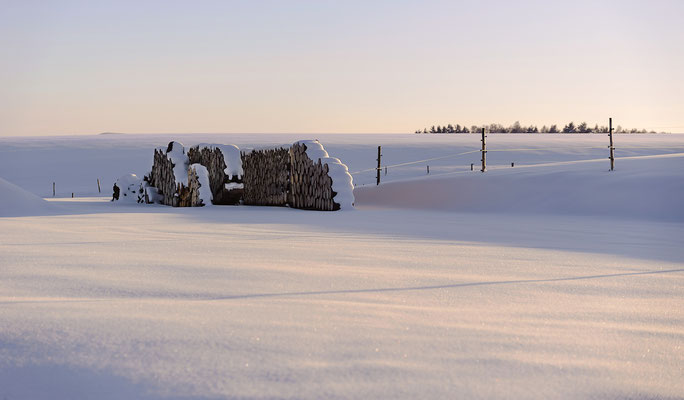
(570, 128)
(553, 129)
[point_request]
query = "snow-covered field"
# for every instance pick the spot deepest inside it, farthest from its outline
(552, 279)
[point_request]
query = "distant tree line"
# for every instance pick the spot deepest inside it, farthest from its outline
(518, 128)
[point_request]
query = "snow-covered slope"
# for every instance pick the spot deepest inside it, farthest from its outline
(551, 279)
(17, 202)
(640, 188)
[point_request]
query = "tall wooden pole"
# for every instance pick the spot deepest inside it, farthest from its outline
(484, 151)
(612, 149)
(379, 168)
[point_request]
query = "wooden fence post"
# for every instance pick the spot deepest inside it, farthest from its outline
(484, 151)
(98, 186)
(612, 149)
(378, 169)
(53, 189)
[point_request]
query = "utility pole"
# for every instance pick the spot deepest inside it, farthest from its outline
(612, 149)
(484, 151)
(379, 168)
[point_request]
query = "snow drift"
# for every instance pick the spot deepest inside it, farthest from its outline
(17, 202)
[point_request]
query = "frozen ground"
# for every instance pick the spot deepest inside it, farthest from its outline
(560, 280)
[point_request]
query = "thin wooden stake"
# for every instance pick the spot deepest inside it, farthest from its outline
(472, 166)
(428, 169)
(53, 189)
(98, 186)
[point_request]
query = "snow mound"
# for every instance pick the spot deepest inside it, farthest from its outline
(132, 189)
(17, 202)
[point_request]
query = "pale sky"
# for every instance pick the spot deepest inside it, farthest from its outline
(85, 67)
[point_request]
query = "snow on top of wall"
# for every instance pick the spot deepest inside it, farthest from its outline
(341, 179)
(231, 156)
(17, 202)
(176, 153)
(341, 182)
(203, 178)
(314, 149)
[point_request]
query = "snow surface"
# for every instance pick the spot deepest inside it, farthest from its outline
(551, 279)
